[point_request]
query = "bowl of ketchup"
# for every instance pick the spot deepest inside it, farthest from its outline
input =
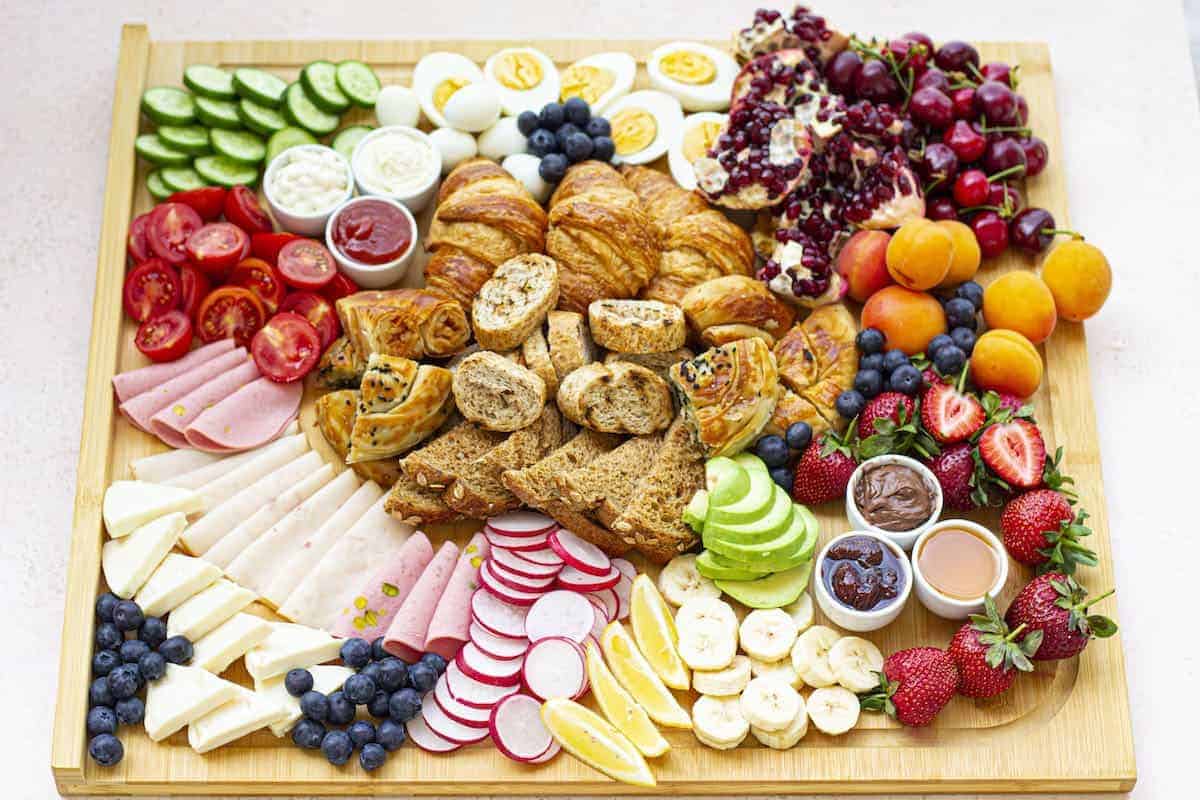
(373, 239)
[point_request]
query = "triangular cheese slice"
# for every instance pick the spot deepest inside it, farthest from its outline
(130, 504)
(177, 578)
(246, 712)
(327, 678)
(181, 696)
(228, 642)
(129, 561)
(204, 611)
(288, 647)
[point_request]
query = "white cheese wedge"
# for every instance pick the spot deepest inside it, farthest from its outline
(162, 467)
(290, 646)
(128, 505)
(228, 642)
(210, 472)
(177, 578)
(129, 561)
(245, 713)
(327, 678)
(204, 611)
(266, 462)
(181, 696)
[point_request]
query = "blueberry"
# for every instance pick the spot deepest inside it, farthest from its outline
(434, 660)
(949, 360)
(390, 734)
(372, 757)
(960, 313)
(906, 379)
(782, 477)
(603, 148)
(893, 360)
(105, 661)
(799, 435)
(124, 681)
(392, 674)
(378, 707)
(937, 343)
(105, 604)
(128, 616)
(873, 361)
(552, 116)
(108, 637)
(337, 747)
(578, 148)
(971, 291)
(964, 339)
(101, 719)
(527, 123)
(578, 111)
(597, 127)
(131, 710)
(341, 710)
(177, 650)
(773, 450)
(297, 682)
(541, 142)
(377, 651)
(152, 666)
(106, 750)
(356, 653)
(869, 340)
(133, 650)
(562, 134)
(314, 705)
(153, 631)
(361, 732)
(422, 677)
(868, 382)
(404, 705)
(98, 693)
(553, 167)
(308, 734)
(850, 403)
(359, 689)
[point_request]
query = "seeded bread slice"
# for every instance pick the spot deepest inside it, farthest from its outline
(616, 398)
(436, 465)
(571, 344)
(514, 301)
(417, 505)
(637, 326)
(497, 394)
(536, 355)
(605, 484)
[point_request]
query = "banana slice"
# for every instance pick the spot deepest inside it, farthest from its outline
(788, 737)
(834, 709)
(781, 670)
(724, 682)
(854, 662)
(801, 612)
(680, 581)
(767, 634)
(810, 656)
(718, 722)
(707, 631)
(770, 704)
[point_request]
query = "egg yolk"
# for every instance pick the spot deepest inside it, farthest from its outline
(586, 81)
(518, 71)
(633, 129)
(699, 138)
(686, 66)
(444, 90)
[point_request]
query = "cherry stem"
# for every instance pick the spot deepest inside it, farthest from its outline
(1024, 130)
(1061, 232)
(1015, 169)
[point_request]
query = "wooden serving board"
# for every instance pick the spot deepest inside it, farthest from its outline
(1064, 728)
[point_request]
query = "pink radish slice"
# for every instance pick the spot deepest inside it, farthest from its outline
(499, 617)
(517, 729)
(522, 523)
(579, 553)
(523, 566)
(473, 693)
(624, 567)
(518, 597)
(516, 580)
(599, 625)
(571, 578)
(560, 613)
(477, 664)
(550, 753)
(544, 557)
(607, 599)
(518, 543)
(459, 712)
(497, 646)
(426, 739)
(623, 590)
(554, 667)
(448, 728)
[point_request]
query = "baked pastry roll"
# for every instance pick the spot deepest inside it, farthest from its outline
(401, 404)
(817, 359)
(335, 420)
(340, 367)
(410, 323)
(720, 309)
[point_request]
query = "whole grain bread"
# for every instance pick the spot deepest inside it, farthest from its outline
(605, 484)
(416, 505)
(571, 344)
(637, 326)
(536, 355)
(658, 363)
(436, 465)
(616, 398)
(514, 301)
(497, 394)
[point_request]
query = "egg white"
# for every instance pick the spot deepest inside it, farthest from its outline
(624, 70)
(524, 167)
(454, 146)
(501, 140)
(712, 96)
(431, 70)
(514, 101)
(681, 168)
(668, 118)
(472, 108)
(397, 105)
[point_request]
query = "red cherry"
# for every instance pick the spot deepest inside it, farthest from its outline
(1036, 155)
(1003, 196)
(997, 71)
(991, 231)
(941, 207)
(964, 102)
(967, 143)
(971, 188)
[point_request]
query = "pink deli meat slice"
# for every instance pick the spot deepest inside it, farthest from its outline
(170, 423)
(448, 630)
(140, 408)
(253, 415)
(135, 381)
(369, 611)
(406, 635)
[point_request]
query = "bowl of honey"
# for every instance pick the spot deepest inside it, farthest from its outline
(955, 563)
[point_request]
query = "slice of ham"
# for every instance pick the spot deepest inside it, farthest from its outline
(251, 416)
(452, 619)
(405, 637)
(369, 609)
(170, 423)
(135, 381)
(140, 408)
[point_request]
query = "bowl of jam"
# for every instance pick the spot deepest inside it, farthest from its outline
(955, 563)
(894, 496)
(864, 580)
(373, 240)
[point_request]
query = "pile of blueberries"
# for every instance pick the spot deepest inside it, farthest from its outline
(130, 650)
(776, 451)
(390, 689)
(562, 134)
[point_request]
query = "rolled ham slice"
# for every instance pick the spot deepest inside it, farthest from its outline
(135, 381)
(140, 408)
(406, 635)
(170, 423)
(368, 610)
(448, 628)
(251, 416)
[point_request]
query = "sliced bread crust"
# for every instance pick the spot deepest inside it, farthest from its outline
(616, 398)
(637, 326)
(605, 484)
(514, 301)
(570, 342)
(497, 394)
(436, 465)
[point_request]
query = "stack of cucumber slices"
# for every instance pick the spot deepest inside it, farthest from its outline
(226, 126)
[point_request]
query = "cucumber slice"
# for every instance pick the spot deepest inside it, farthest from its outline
(260, 118)
(358, 82)
(209, 81)
(167, 105)
(158, 190)
(240, 146)
(156, 151)
(261, 87)
(348, 138)
(181, 179)
(288, 137)
(225, 171)
(218, 113)
(188, 138)
(319, 80)
(300, 111)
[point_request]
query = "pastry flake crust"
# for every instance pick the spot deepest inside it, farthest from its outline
(817, 359)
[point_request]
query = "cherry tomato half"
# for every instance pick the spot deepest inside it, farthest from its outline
(243, 210)
(207, 201)
(151, 288)
(287, 348)
(170, 226)
(266, 245)
(137, 245)
(339, 287)
(196, 287)
(165, 337)
(216, 247)
(306, 264)
(230, 312)
(318, 311)
(261, 278)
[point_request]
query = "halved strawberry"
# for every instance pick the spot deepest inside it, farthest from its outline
(1014, 451)
(950, 415)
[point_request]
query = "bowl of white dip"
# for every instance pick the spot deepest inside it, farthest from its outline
(304, 184)
(397, 162)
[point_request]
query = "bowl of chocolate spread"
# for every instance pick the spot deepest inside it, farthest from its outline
(894, 496)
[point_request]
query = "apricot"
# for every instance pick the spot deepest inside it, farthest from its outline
(919, 254)
(863, 263)
(965, 261)
(1005, 361)
(1079, 278)
(907, 319)
(1019, 301)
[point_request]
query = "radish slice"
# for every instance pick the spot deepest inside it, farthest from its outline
(554, 667)
(579, 553)
(550, 753)
(599, 625)
(517, 729)
(473, 693)
(523, 566)
(499, 617)
(492, 584)
(522, 523)
(426, 739)
(497, 646)
(448, 728)
(607, 599)
(624, 567)
(459, 712)
(544, 557)
(623, 590)
(516, 580)
(571, 578)
(497, 539)
(560, 613)
(477, 664)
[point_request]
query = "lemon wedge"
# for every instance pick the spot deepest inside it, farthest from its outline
(621, 709)
(654, 631)
(639, 678)
(587, 736)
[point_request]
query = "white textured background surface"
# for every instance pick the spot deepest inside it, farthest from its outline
(1130, 124)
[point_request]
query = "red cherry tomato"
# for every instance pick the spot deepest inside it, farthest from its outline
(137, 245)
(318, 311)
(243, 210)
(261, 278)
(216, 247)
(266, 245)
(152, 288)
(165, 337)
(230, 312)
(170, 226)
(306, 264)
(287, 348)
(339, 287)
(196, 287)
(208, 201)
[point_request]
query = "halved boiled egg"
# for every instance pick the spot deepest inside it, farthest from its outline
(701, 77)
(599, 79)
(643, 125)
(526, 79)
(437, 77)
(697, 135)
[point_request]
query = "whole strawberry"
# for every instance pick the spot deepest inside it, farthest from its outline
(1041, 529)
(914, 686)
(885, 405)
(989, 655)
(891, 423)
(1055, 605)
(823, 472)
(953, 468)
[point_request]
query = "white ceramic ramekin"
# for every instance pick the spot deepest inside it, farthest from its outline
(373, 276)
(949, 607)
(852, 619)
(415, 200)
(303, 224)
(905, 539)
